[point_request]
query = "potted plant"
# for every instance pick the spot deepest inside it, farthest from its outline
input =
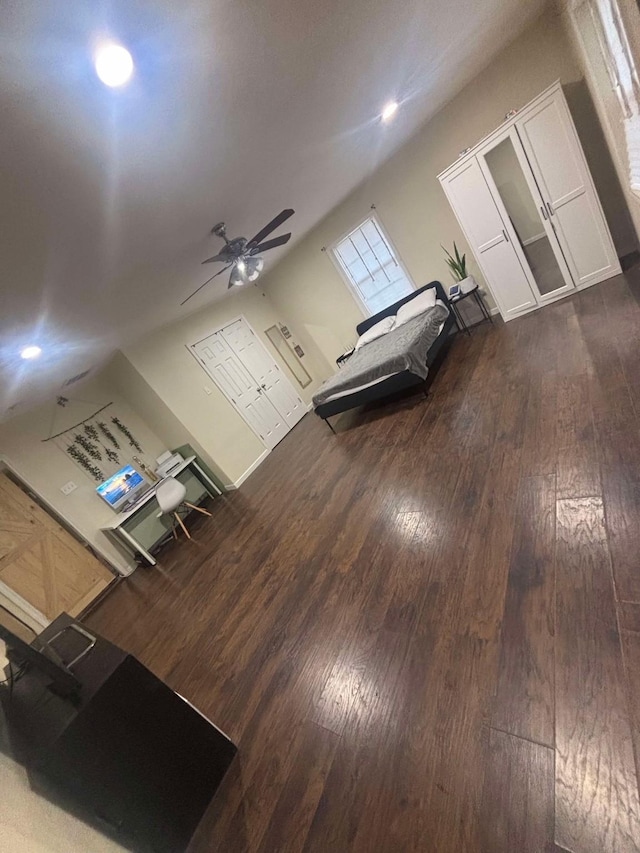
(458, 267)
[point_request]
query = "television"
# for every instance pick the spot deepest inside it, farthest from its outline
(122, 487)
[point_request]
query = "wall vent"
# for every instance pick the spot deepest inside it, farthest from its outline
(76, 378)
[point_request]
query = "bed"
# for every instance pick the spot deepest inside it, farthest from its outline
(360, 382)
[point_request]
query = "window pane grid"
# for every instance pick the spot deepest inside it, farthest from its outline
(371, 267)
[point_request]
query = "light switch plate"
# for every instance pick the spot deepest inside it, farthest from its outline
(68, 488)
(207, 390)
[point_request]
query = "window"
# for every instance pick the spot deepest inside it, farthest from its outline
(623, 75)
(371, 267)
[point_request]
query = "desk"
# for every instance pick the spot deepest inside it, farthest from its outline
(123, 525)
(129, 755)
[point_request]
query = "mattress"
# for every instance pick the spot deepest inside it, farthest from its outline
(424, 326)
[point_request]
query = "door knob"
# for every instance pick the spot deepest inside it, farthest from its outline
(264, 387)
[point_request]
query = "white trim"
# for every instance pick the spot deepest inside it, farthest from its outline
(24, 605)
(237, 483)
(5, 462)
(534, 239)
(343, 275)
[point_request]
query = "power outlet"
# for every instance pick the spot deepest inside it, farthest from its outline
(68, 488)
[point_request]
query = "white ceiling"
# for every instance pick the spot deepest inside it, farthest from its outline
(238, 108)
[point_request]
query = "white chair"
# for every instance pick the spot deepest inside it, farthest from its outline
(171, 494)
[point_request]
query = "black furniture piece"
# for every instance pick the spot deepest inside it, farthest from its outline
(342, 359)
(462, 325)
(399, 381)
(125, 754)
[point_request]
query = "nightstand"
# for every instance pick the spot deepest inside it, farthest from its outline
(480, 303)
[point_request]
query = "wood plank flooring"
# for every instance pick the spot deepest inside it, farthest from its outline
(424, 632)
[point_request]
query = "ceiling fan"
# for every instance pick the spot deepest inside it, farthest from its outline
(242, 256)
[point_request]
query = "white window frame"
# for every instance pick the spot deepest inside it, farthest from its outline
(616, 52)
(331, 251)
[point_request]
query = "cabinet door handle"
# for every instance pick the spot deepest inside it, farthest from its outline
(505, 235)
(551, 210)
(543, 211)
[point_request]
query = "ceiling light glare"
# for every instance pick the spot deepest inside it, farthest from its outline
(389, 111)
(30, 352)
(114, 65)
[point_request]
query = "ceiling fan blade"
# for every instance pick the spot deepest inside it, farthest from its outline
(271, 244)
(275, 223)
(223, 256)
(206, 282)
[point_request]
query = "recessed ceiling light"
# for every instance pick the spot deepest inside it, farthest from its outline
(30, 352)
(389, 111)
(114, 65)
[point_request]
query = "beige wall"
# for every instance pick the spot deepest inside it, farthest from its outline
(122, 375)
(45, 467)
(164, 363)
(580, 30)
(307, 288)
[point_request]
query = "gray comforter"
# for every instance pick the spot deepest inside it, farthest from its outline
(404, 348)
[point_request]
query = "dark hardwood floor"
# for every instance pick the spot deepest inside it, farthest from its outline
(424, 632)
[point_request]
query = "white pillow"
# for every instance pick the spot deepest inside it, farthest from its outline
(376, 331)
(418, 305)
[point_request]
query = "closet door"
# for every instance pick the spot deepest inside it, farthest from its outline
(240, 388)
(260, 364)
(555, 154)
(476, 210)
(510, 179)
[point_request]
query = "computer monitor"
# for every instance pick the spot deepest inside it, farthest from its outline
(122, 487)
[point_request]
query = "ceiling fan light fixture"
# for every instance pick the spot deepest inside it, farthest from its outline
(237, 279)
(254, 267)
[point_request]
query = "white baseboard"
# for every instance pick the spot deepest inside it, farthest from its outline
(237, 483)
(533, 239)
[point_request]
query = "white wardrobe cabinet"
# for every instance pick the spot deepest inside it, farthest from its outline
(526, 202)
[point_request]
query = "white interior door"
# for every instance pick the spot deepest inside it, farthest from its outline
(555, 154)
(260, 364)
(240, 388)
(478, 214)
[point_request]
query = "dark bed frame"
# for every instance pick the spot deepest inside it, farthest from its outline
(399, 381)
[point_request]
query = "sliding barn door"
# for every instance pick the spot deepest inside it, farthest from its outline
(560, 169)
(41, 562)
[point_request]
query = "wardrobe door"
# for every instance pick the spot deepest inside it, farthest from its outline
(555, 154)
(508, 174)
(480, 219)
